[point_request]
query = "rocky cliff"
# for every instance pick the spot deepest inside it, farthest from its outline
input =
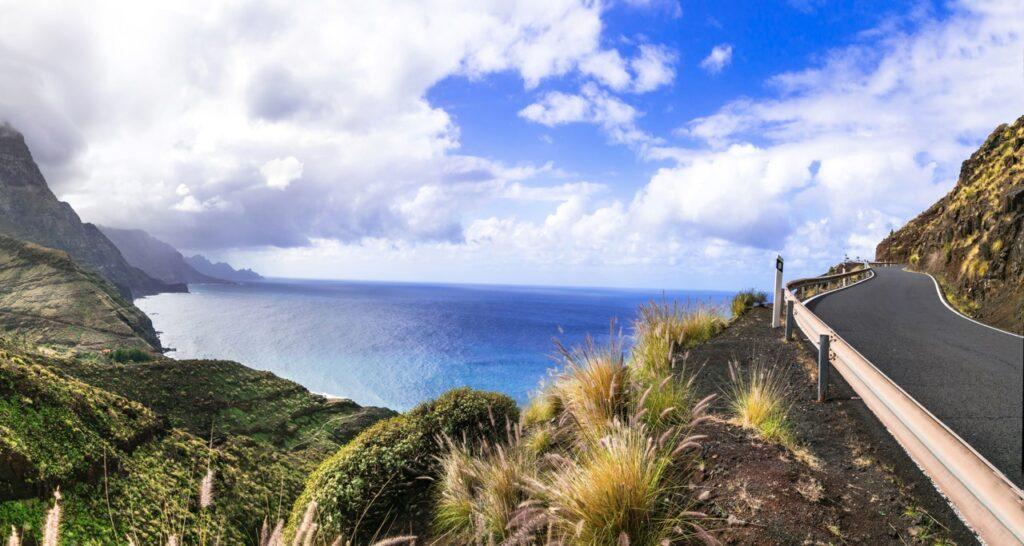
(155, 257)
(972, 239)
(47, 298)
(29, 211)
(221, 270)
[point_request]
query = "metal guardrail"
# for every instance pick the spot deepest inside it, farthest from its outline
(983, 497)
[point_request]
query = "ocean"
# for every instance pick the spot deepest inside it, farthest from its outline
(396, 344)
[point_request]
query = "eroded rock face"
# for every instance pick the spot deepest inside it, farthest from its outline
(29, 211)
(973, 238)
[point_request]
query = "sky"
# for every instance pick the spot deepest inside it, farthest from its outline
(632, 143)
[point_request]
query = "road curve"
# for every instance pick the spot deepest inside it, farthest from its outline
(969, 376)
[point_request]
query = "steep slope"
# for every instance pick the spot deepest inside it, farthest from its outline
(45, 297)
(224, 397)
(129, 444)
(55, 429)
(972, 239)
(155, 257)
(29, 211)
(221, 270)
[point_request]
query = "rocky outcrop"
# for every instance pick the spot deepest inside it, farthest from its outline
(973, 238)
(221, 270)
(29, 211)
(155, 257)
(47, 298)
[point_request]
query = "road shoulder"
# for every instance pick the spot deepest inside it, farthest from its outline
(846, 481)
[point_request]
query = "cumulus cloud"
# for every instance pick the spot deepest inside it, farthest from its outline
(592, 105)
(203, 95)
(718, 59)
(194, 103)
(846, 151)
(278, 173)
(653, 67)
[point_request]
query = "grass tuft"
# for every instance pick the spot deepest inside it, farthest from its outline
(746, 300)
(758, 397)
(661, 330)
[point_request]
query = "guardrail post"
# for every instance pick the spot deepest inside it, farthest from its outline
(789, 320)
(822, 367)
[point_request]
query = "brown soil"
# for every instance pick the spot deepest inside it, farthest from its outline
(846, 481)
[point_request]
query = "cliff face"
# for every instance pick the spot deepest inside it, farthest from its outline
(155, 257)
(973, 238)
(47, 298)
(29, 211)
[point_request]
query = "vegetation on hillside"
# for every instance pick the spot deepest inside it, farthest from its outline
(378, 482)
(127, 444)
(602, 454)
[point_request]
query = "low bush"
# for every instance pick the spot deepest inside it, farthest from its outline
(746, 300)
(130, 355)
(382, 476)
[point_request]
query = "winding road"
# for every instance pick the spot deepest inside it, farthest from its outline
(971, 377)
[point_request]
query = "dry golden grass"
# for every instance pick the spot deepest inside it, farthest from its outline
(602, 455)
(479, 495)
(662, 329)
(628, 488)
(592, 387)
(758, 398)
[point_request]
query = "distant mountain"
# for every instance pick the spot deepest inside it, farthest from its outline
(47, 298)
(221, 270)
(29, 211)
(157, 258)
(972, 239)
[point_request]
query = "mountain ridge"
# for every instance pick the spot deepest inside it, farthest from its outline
(155, 257)
(221, 270)
(29, 211)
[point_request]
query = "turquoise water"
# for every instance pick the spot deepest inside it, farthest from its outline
(391, 344)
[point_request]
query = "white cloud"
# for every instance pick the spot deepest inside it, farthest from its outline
(593, 105)
(202, 94)
(608, 68)
(169, 120)
(847, 151)
(557, 108)
(278, 173)
(653, 68)
(719, 58)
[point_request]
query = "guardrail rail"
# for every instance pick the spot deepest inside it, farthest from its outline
(989, 503)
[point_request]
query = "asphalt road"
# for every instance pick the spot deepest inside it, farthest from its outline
(969, 376)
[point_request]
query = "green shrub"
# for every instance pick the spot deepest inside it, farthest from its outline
(745, 300)
(130, 355)
(378, 481)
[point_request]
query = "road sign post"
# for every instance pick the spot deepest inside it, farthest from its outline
(777, 304)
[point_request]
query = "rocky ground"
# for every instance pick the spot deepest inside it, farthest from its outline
(847, 481)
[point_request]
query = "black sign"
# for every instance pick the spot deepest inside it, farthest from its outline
(778, 263)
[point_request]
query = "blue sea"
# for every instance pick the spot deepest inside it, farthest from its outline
(396, 344)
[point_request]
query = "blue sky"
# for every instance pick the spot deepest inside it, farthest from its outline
(641, 143)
